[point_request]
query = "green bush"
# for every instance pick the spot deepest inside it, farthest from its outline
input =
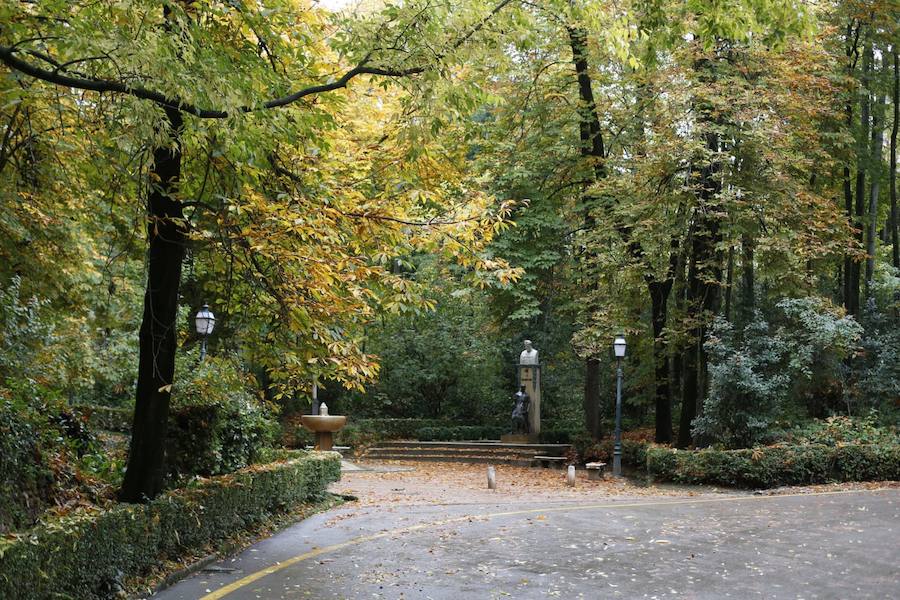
(26, 480)
(754, 371)
(843, 430)
(459, 433)
(215, 439)
(42, 440)
(634, 451)
(108, 418)
(217, 422)
(774, 466)
(86, 555)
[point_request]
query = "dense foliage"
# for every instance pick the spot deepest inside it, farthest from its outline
(384, 202)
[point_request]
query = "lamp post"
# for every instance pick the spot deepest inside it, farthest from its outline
(619, 350)
(205, 321)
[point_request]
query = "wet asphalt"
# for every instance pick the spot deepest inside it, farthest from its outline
(829, 546)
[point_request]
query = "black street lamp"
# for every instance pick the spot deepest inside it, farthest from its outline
(205, 321)
(619, 350)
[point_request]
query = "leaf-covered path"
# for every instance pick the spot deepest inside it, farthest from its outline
(433, 533)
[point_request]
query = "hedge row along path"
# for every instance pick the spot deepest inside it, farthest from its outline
(615, 540)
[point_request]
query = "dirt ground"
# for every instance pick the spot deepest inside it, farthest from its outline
(411, 483)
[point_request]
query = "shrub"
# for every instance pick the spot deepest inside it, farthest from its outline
(461, 433)
(753, 372)
(217, 423)
(85, 555)
(838, 430)
(108, 418)
(41, 441)
(25, 479)
(215, 439)
(773, 466)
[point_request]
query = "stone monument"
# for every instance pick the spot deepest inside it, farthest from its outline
(530, 378)
(520, 412)
(528, 371)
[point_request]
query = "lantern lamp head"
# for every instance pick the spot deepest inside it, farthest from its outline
(619, 346)
(205, 321)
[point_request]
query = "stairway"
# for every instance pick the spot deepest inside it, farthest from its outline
(498, 453)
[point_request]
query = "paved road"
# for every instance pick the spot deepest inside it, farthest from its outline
(834, 545)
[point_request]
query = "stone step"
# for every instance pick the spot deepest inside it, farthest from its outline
(547, 449)
(413, 451)
(471, 459)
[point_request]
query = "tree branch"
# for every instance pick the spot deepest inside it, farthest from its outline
(56, 77)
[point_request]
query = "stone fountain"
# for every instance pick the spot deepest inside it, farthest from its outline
(324, 426)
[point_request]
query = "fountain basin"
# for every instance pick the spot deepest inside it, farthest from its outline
(319, 423)
(324, 427)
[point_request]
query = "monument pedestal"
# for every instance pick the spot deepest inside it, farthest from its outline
(530, 377)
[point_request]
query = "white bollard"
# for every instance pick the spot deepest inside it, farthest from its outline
(570, 476)
(492, 478)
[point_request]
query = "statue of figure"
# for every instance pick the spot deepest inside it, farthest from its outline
(520, 411)
(529, 355)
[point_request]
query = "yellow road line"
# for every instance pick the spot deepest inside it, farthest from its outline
(244, 581)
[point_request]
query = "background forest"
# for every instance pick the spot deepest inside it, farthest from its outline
(386, 200)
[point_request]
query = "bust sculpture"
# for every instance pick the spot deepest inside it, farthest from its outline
(520, 411)
(529, 355)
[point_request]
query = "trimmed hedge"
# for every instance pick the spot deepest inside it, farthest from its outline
(774, 466)
(460, 433)
(215, 439)
(86, 555)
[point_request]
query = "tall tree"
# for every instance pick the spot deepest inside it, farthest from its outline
(228, 54)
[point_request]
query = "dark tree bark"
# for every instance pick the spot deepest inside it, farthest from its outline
(729, 283)
(895, 250)
(861, 169)
(166, 236)
(874, 190)
(659, 296)
(850, 298)
(748, 278)
(592, 421)
(591, 148)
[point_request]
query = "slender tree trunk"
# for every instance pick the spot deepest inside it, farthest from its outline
(592, 398)
(166, 235)
(862, 161)
(729, 283)
(874, 190)
(591, 149)
(659, 296)
(895, 250)
(748, 278)
(846, 283)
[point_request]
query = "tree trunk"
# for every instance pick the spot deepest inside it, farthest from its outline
(704, 291)
(659, 296)
(861, 165)
(874, 190)
(895, 250)
(748, 278)
(592, 398)
(166, 234)
(591, 148)
(729, 283)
